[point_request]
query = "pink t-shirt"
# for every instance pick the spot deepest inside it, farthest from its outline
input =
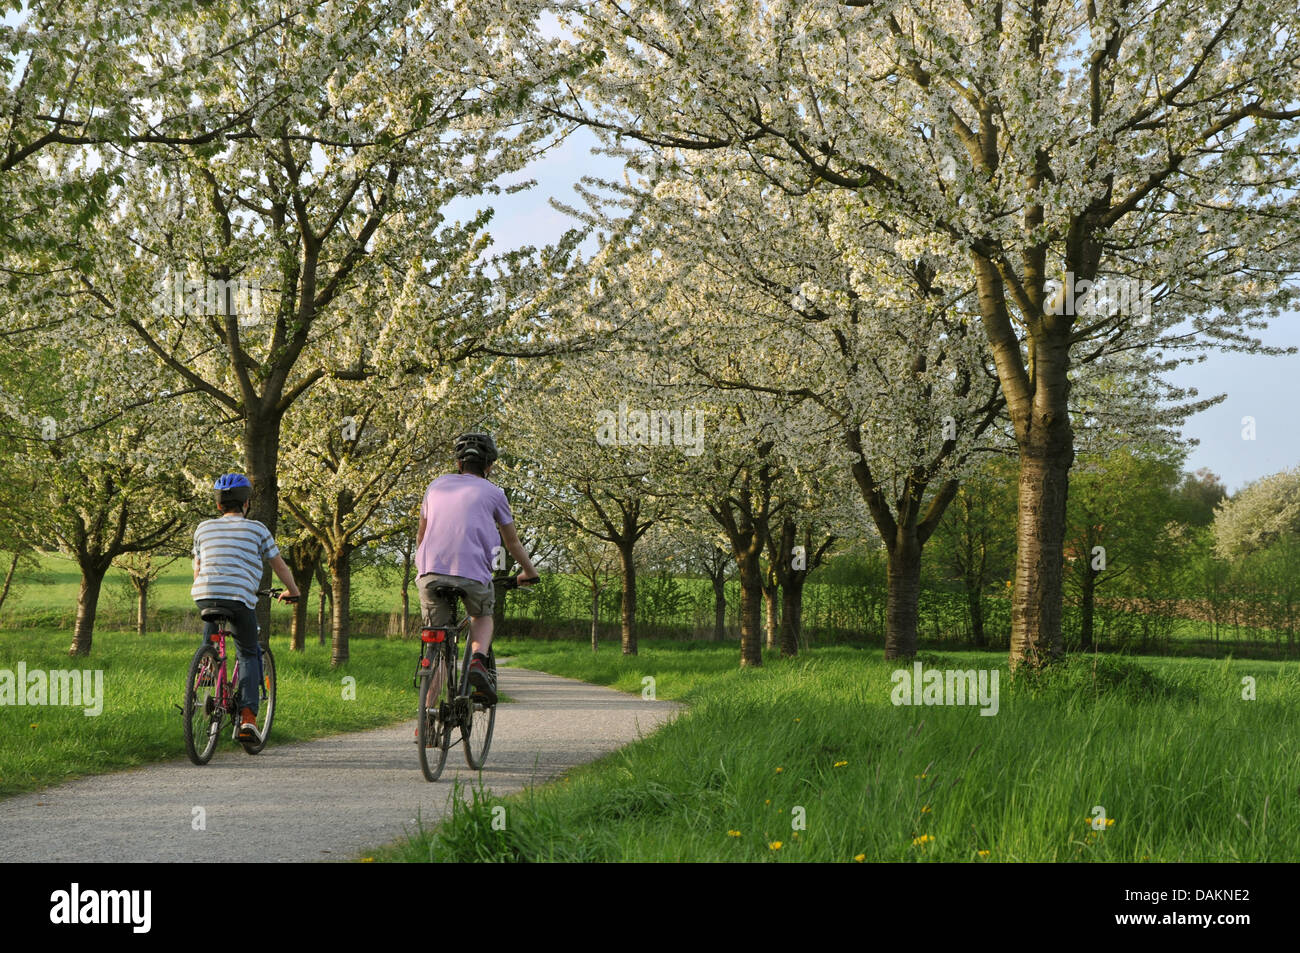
(461, 513)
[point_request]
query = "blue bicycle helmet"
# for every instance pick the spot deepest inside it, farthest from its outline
(232, 488)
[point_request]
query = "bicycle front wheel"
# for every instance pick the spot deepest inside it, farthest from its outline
(433, 733)
(266, 707)
(476, 728)
(202, 710)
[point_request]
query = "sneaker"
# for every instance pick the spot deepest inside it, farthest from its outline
(482, 679)
(248, 725)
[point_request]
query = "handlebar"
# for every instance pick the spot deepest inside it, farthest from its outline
(512, 582)
(275, 594)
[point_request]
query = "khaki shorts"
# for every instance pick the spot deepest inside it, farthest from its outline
(479, 598)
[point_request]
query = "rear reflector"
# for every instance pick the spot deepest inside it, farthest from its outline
(433, 635)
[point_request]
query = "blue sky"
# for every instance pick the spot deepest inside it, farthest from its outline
(1265, 388)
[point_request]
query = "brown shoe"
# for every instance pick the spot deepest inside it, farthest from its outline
(247, 725)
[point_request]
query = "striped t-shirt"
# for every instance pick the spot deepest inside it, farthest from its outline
(230, 551)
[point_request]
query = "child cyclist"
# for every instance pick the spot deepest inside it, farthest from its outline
(228, 555)
(462, 519)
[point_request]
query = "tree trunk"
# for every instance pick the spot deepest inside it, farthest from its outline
(771, 603)
(141, 603)
(326, 594)
(1040, 545)
(9, 578)
(1087, 602)
(92, 580)
(302, 558)
(903, 596)
(262, 462)
(341, 582)
(791, 616)
(751, 599)
(298, 626)
(719, 607)
(628, 566)
(595, 615)
(975, 604)
(406, 593)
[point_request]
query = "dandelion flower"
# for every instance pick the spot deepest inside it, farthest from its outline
(367, 860)
(733, 833)
(923, 839)
(859, 858)
(778, 770)
(768, 801)
(982, 853)
(840, 764)
(775, 845)
(926, 809)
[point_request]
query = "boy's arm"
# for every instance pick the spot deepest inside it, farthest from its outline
(516, 549)
(281, 569)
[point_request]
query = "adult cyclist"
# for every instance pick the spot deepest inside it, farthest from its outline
(463, 518)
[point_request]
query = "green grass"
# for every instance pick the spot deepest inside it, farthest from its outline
(1184, 768)
(144, 679)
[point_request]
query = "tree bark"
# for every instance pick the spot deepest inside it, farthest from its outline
(326, 594)
(595, 616)
(1036, 636)
(975, 604)
(771, 605)
(628, 567)
(9, 578)
(751, 599)
(341, 583)
(302, 558)
(92, 581)
(1087, 605)
(407, 560)
(903, 597)
(791, 616)
(720, 606)
(262, 461)
(141, 603)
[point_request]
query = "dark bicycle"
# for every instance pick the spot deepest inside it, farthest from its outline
(447, 700)
(211, 697)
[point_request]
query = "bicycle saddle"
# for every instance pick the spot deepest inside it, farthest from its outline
(449, 592)
(218, 615)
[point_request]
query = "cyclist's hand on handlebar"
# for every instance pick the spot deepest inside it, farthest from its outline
(286, 597)
(522, 580)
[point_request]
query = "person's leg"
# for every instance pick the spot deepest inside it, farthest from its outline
(436, 614)
(250, 656)
(480, 633)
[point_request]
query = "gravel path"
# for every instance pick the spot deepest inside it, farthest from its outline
(331, 799)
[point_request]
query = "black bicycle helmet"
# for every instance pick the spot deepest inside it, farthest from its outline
(476, 446)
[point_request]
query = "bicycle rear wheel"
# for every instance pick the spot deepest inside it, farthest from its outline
(433, 731)
(202, 711)
(476, 728)
(266, 708)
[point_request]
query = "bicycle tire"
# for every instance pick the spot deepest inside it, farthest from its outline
(476, 735)
(433, 733)
(202, 712)
(266, 709)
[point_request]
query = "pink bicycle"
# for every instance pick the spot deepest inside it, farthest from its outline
(211, 697)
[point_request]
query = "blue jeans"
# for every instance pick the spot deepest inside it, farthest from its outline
(244, 632)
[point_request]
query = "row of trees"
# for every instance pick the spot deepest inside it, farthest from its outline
(855, 255)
